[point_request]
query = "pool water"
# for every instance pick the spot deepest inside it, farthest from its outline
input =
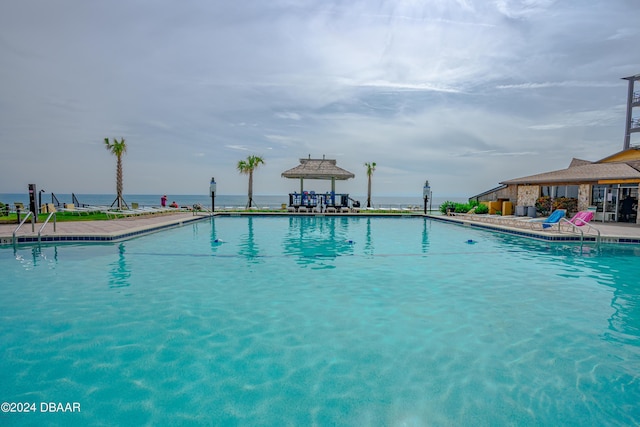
(322, 321)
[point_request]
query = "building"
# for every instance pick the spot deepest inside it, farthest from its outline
(605, 184)
(611, 184)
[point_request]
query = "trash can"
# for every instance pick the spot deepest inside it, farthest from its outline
(531, 211)
(521, 211)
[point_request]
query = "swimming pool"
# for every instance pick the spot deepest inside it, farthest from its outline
(322, 321)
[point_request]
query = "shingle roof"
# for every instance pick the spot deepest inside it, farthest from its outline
(317, 169)
(579, 162)
(591, 172)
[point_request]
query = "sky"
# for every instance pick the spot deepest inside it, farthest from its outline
(463, 93)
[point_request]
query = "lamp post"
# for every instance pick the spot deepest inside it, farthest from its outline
(426, 193)
(212, 190)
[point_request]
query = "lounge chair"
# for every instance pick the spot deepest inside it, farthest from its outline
(581, 218)
(553, 219)
(71, 208)
(471, 211)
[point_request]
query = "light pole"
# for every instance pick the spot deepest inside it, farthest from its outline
(212, 190)
(426, 193)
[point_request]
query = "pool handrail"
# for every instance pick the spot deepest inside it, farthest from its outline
(45, 223)
(33, 225)
(579, 227)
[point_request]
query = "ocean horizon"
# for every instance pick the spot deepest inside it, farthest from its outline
(224, 200)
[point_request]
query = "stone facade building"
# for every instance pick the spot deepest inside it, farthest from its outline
(605, 185)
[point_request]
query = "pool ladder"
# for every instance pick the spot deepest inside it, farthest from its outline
(33, 225)
(52, 214)
(577, 229)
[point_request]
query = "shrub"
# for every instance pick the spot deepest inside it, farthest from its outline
(445, 205)
(482, 209)
(459, 207)
(568, 203)
(544, 207)
(463, 207)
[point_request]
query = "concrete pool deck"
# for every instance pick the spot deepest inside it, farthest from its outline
(610, 232)
(95, 231)
(124, 228)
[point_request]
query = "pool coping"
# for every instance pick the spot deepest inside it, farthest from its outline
(103, 236)
(126, 228)
(549, 235)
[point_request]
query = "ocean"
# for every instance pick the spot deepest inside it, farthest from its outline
(266, 201)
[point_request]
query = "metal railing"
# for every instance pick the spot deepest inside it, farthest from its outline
(33, 225)
(579, 228)
(52, 214)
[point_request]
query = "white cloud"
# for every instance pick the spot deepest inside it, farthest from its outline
(466, 92)
(289, 116)
(569, 84)
(237, 147)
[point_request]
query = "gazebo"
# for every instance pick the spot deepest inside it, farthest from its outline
(325, 169)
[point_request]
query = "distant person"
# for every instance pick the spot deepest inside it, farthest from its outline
(627, 208)
(174, 204)
(163, 201)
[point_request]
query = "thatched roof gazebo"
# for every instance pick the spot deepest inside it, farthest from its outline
(324, 169)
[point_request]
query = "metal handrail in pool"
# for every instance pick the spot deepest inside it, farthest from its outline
(33, 225)
(577, 228)
(45, 223)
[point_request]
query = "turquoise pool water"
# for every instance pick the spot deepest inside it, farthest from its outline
(322, 321)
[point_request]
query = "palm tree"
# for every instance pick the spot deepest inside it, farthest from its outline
(371, 167)
(117, 148)
(247, 167)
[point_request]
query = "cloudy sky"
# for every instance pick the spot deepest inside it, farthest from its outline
(464, 93)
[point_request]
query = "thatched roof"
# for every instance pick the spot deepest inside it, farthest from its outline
(318, 169)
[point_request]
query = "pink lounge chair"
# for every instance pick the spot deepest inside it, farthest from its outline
(581, 218)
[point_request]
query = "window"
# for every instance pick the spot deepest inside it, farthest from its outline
(569, 191)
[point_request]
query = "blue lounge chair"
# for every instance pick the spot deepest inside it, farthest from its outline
(553, 219)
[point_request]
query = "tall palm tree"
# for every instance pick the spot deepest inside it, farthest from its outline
(371, 167)
(117, 148)
(247, 167)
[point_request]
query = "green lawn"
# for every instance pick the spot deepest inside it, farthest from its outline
(101, 216)
(12, 218)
